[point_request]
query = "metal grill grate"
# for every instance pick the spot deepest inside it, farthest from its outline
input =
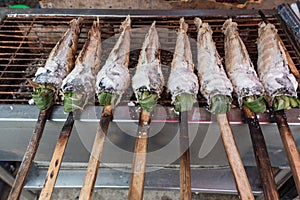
(26, 41)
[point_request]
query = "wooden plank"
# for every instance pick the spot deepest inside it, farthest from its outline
(261, 155)
(185, 169)
(234, 159)
(57, 158)
(29, 155)
(137, 180)
(289, 145)
(96, 154)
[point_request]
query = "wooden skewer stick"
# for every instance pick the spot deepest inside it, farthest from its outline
(95, 157)
(185, 169)
(57, 157)
(261, 155)
(234, 159)
(289, 146)
(136, 188)
(29, 155)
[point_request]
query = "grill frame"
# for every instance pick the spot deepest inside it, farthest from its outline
(21, 113)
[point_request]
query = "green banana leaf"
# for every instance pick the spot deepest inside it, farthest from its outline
(257, 105)
(285, 102)
(147, 100)
(107, 98)
(184, 102)
(43, 97)
(73, 101)
(220, 104)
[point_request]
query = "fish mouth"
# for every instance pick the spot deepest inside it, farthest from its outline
(74, 101)
(43, 97)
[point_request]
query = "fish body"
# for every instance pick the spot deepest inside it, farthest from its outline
(239, 67)
(148, 75)
(114, 76)
(212, 76)
(60, 62)
(272, 65)
(61, 59)
(182, 79)
(82, 79)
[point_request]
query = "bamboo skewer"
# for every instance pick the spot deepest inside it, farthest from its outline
(234, 159)
(284, 129)
(136, 188)
(261, 156)
(95, 157)
(185, 170)
(289, 145)
(29, 155)
(57, 158)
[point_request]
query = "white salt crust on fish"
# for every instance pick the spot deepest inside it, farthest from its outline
(272, 64)
(213, 79)
(182, 79)
(61, 59)
(114, 76)
(82, 78)
(239, 67)
(148, 75)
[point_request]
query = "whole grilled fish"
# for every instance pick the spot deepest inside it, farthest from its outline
(240, 70)
(183, 83)
(215, 86)
(113, 79)
(48, 79)
(273, 70)
(79, 86)
(148, 80)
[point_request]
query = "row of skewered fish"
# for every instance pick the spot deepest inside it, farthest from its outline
(274, 82)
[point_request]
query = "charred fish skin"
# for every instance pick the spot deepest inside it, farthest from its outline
(213, 79)
(60, 62)
(240, 69)
(113, 79)
(148, 80)
(272, 67)
(183, 83)
(79, 86)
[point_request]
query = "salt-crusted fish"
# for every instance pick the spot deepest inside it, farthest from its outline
(48, 79)
(79, 86)
(113, 79)
(273, 70)
(215, 86)
(240, 70)
(148, 80)
(183, 83)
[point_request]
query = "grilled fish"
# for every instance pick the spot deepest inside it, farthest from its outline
(183, 83)
(148, 80)
(48, 79)
(240, 70)
(113, 79)
(273, 70)
(215, 86)
(79, 86)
